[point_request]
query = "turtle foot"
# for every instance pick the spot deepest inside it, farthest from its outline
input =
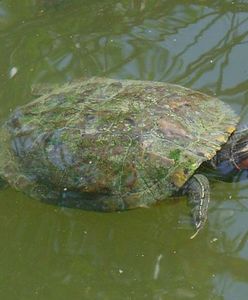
(198, 192)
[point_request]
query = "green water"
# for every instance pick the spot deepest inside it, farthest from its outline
(55, 253)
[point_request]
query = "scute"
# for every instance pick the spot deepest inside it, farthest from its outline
(111, 144)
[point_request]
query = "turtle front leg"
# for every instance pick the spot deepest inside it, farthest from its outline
(198, 193)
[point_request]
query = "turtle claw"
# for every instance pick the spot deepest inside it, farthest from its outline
(195, 234)
(198, 192)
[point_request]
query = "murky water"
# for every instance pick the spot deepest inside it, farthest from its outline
(52, 253)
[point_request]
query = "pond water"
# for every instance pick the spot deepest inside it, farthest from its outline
(50, 252)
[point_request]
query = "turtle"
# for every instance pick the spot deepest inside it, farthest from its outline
(109, 145)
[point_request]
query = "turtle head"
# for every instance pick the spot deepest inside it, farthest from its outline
(239, 148)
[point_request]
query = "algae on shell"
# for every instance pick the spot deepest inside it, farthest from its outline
(111, 144)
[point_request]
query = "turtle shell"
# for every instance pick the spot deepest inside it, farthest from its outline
(110, 144)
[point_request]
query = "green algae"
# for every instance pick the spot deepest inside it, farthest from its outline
(175, 154)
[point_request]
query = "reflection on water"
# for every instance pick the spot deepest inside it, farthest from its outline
(50, 252)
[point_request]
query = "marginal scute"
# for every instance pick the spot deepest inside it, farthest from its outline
(221, 138)
(111, 144)
(179, 177)
(230, 129)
